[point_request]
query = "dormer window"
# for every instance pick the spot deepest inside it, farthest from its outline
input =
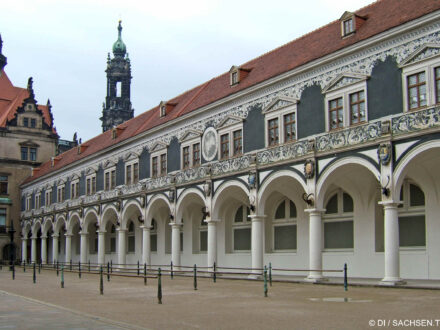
(114, 133)
(234, 78)
(348, 26)
(163, 111)
(165, 108)
(237, 74)
(350, 22)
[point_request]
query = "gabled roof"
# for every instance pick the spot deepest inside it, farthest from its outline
(381, 16)
(11, 98)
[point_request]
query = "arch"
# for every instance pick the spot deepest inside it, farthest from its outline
(47, 224)
(401, 169)
(324, 180)
(70, 224)
(155, 200)
(59, 223)
(35, 227)
(185, 195)
(108, 213)
(26, 229)
(129, 209)
(221, 191)
(89, 218)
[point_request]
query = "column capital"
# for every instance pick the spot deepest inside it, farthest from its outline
(146, 228)
(212, 221)
(121, 230)
(82, 233)
(24, 239)
(55, 235)
(390, 204)
(314, 211)
(257, 217)
(34, 237)
(101, 232)
(68, 235)
(43, 237)
(175, 225)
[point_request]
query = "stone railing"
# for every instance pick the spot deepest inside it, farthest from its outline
(193, 174)
(416, 121)
(231, 165)
(284, 152)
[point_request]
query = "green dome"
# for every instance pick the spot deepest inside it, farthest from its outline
(119, 47)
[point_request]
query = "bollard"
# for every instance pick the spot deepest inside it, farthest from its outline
(111, 266)
(89, 265)
(24, 267)
(101, 282)
(39, 268)
(138, 268)
(172, 273)
(345, 277)
(62, 276)
(214, 277)
(35, 274)
(270, 273)
(13, 271)
(145, 273)
(70, 265)
(159, 287)
(108, 271)
(79, 269)
(265, 281)
(57, 268)
(195, 277)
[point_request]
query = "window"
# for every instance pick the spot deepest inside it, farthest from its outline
(110, 178)
(48, 197)
(33, 123)
(132, 173)
(131, 238)
(159, 163)
(338, 222)
(24, 153)
(196, 154)
(289, 127)
(38, 200)
(336, 113)
(272, 132)
(163, 111)
(348, 26)
(224, 146)
(190, 149)
(437, 85)
(33, 154)
(3, 184)
(153, 236)
(238, 141)
(29, 153)
(26, 122)
(412, 227)
(91, 184)
(357, 107)
(60, 194)
(284, 226)
(203, 236)
(113, 239)
(154, 167)
(2, 217)
(185, 160)
(163, 164)
(234, 78)
(241, 229)
(417, 90)
(74, 189)
(28, 203)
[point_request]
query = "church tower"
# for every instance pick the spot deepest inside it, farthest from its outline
(117, 106)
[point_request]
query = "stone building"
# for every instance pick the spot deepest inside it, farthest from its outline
(321, 152)
(27, 139)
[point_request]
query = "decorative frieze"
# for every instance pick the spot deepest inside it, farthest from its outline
(284, 152)
(231, 165)
(416, 120)
(108, 194)
(131, 189)
(349, 137)
(192, 174)
(160, 182)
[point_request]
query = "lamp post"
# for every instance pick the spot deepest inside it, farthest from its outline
(11, 232)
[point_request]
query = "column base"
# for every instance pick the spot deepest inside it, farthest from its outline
(392, 281)
(255, 277)
(315, 278)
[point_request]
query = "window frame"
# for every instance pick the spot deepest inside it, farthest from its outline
(61, 193)
(112, 178)
(228, 131)
(4, 184)
(284, 222)
(280, 114)
(74, 189)
(37, 200)
(134, 178)
(48, 196)
(90, 189)
(245, 224)
(189, 140)
(159, 156)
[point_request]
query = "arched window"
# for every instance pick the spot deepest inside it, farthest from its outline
(241, 229)
(338, 221)
(113, 239)
(203, 230)
(284, 226)
(412, 228)
(131, 238)
(153, 236)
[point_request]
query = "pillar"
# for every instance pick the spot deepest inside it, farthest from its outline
(34, 250)
(101, 247)
(122, 250)
(24, 250)
(212, 242)
(392, 259)
(84, 247)
(44, 249)
(55, 248)
(315, 245)
(68, 248)
(257, 243)
(146, 245)
(175, 243)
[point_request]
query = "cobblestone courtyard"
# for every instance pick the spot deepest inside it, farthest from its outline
(227, 304)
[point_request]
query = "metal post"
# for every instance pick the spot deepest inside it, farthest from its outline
(89, 265)
(111, 266)
(195, 277)
(172, 274)
(101, 281)
(265, 281)
(24, 267)
(145, 273)
(108, 272)
(39, 268)
(13, 271)
(270, 273)
(57, 268)
(79, 269)
(138, 268)
(62, 276)
(345, 277)
(215, 273)
(70, 264)
(35, 275)
(159, 287)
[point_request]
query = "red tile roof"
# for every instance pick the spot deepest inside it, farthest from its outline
(381, 16)
(11, 98)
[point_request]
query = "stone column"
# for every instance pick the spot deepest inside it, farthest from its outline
(212, 242)
(257, 222)
(24, 250)
(146, 245)
(34, 250)
(68, 256)
(55, 248)
(122, 249)
(315, 245)
(392, 259)
(84, 247)
(175, 243)
(44, 249)
(101, 247)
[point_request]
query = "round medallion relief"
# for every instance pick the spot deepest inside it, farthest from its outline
(209, 144)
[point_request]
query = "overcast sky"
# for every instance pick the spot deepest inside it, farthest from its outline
(173, 46)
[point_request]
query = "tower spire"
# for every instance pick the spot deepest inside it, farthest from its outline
(3, 60)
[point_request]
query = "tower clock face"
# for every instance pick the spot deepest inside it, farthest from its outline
(209, 144)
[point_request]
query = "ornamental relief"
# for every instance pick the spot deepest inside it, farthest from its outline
(231, 165)
(415, 121)
(192, 174)
(284, 152)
